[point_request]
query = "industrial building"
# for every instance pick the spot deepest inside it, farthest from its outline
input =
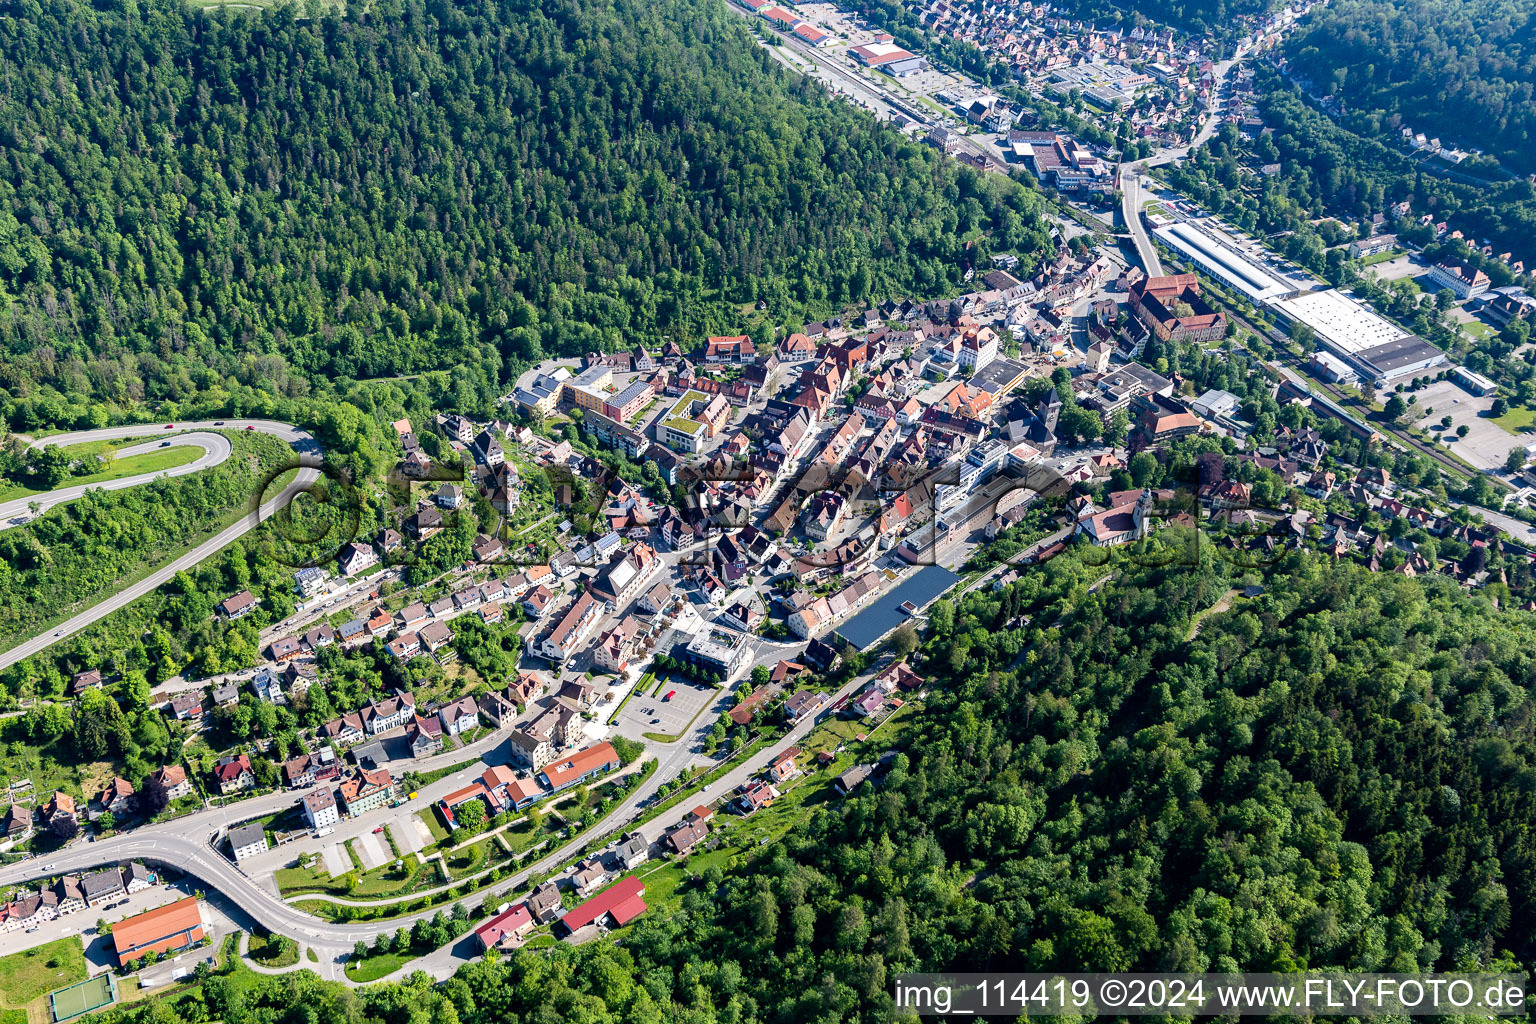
(1218, 255)
(889, 58)
(1474, 382)
(1377, 349)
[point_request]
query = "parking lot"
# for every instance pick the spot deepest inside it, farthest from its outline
(337, 863)
(645, 713)
(372, 850)
(1486, 445)
(409, 833)
(1394, 269)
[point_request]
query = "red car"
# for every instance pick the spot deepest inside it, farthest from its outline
(170, 426)
(378, 830)
(669, 696)
(250, 428)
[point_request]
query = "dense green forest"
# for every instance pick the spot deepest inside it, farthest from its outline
(1220, 19)
(239, 209)
(1329, 170)
(1340, 771)
(1460, 69)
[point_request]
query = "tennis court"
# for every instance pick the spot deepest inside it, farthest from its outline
(84, 997)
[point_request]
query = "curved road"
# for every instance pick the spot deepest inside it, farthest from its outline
(216, 448)
(301, 441)
(185, 845)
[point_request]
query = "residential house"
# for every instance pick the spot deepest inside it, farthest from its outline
(233, 774)
(463, 715)
(346, 730)
(236, 607)
(118, 798)
(634, 852)
(869, 702)
(320, 809)
(18, 822)
(754, 797)
(284, 648)
(507, 929)
(803, 703)
(356, 557)
(103, 887)
(681, 839)
(248, 841)
(783, 767)
(544, 903)
(71, 895)
(615, 647)
(589, 875)
(136, 878)
(567, 635)
(368, 789)
(383, 715)
(173, 779)
(854, 777)
(425, 735)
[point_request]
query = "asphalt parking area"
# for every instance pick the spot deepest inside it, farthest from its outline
(410, 833)
(337, 863)
(1486, 445)
(372, 850)
(670, 717)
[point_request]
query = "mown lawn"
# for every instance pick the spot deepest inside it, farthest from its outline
(1518, 420)
(34, 972)
(373, 968)
(272, 950)
(132, 465)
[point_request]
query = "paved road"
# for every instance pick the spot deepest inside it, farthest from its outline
(442, 963)
(301, 441)
(1130, 211)
(216, 448)
(1130, 175)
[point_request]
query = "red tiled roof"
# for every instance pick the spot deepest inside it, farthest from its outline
(622, 901)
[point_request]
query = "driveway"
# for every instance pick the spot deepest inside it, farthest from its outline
(337, 863)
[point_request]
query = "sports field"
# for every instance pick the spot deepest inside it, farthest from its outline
(29, 974)
(88, 995)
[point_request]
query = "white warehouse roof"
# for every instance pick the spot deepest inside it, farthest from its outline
(1218, 255)
(1345, 324)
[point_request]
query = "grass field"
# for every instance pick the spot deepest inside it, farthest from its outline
(1518, 420)
(272, 950)
(133, 465)
(375, 967)
(37, 971)
(381, 882)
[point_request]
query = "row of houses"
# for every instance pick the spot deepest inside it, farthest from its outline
(73, 893)
(500, 788)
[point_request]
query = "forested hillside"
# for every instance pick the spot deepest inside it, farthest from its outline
(1218, 18)
(1460, 69)
(270, 205)
(1339, 772)
(1330, 171)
